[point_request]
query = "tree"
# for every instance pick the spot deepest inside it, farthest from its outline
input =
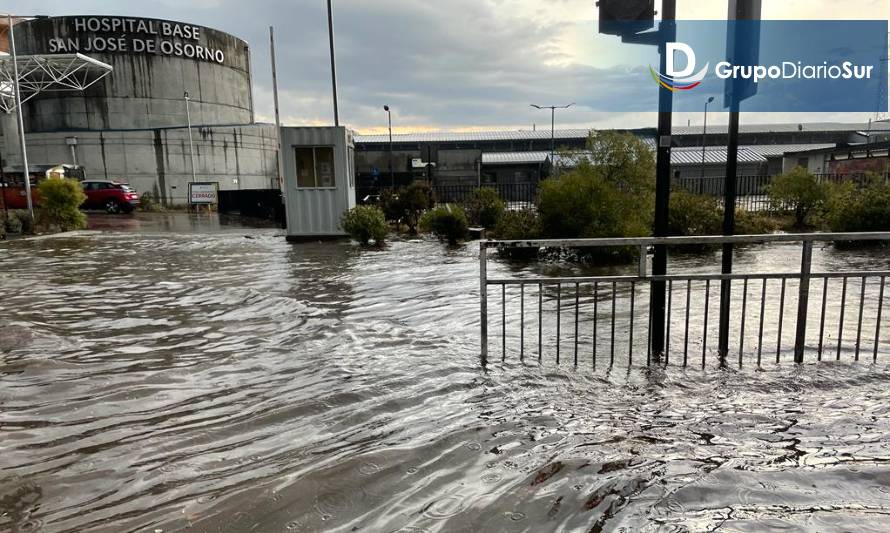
(60, 201)
(609, 195)
(797, 191)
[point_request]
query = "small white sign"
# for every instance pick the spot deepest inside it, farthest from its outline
(203, 193)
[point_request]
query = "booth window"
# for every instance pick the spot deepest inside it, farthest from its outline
(315, 167)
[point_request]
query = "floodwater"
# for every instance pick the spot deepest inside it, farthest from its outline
(190, 374)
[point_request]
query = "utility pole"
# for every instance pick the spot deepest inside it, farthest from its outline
(275, 99)
(333, 63)
(662, 182)
(21, 120)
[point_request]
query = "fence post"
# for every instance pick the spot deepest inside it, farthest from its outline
(803, 301)
(483, 300)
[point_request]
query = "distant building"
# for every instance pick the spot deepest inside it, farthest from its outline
(132, 124)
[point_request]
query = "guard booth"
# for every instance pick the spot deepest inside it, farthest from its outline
(319, 180)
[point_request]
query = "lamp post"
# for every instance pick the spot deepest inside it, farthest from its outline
(392, 178)
(704, 134)
(552, 109)
(188, 118)
(21, 121)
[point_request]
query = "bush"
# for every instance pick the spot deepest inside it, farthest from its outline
(694, 214)
(515, 226)
(23, 219)
(798, 191)
(749, 223)
(518, 225)
(413, 201)
(485, 207)
(863, 209)
(447, 223)
(407, 205)
(2, 232)
(365, 223)
(148, 202)
(60, 204)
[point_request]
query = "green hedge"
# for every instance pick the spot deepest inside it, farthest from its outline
(447, 222)
(60, 201)
(365, 224)
(867, 208)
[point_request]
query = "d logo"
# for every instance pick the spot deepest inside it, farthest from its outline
(685, 49)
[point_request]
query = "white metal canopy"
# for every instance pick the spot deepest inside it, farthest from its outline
(47, 73)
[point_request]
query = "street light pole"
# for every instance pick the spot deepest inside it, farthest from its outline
(704, 133)
(188, 118)
(552, 109)
(21, 121)
(392, 179)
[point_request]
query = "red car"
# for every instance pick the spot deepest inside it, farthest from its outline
(111, 196)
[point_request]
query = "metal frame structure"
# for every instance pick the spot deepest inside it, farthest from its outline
(771, 285)
(47, 73)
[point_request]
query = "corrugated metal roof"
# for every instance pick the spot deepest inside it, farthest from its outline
(504, 135)
(713, 156)
(513, 158)
(774, 150)
(790, 127)
(581, 133)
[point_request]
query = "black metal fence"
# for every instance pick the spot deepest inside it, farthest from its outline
(516, 195)
(752, 192)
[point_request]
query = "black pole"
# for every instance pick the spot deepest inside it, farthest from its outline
(662, 184)
(392, 178)
(729, 197)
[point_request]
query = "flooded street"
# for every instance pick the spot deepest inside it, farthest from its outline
(192, 374)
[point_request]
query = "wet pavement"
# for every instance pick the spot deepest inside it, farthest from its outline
(178, 372)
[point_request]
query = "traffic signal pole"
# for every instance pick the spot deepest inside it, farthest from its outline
(662, 184)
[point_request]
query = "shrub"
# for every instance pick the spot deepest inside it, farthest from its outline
(148, 202)
(60, 204)
(389, 204)
(413, 201)
(864, 209)
(518, 225)
(23, 220)
(485, 207)
(798, 191)
(749, 223)
(407, 205)
(365, 223)
(2, 232)
(694, 214)
(447, 222)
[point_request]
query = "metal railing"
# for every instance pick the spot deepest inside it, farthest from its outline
(604, 320)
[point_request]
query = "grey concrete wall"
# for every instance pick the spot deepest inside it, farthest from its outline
(237, 157)
(145, 90)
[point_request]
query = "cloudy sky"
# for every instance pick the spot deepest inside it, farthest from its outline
(440, 64)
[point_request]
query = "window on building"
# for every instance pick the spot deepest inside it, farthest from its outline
(315, 167)
(803, 162)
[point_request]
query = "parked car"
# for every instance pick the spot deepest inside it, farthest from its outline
(111, 196)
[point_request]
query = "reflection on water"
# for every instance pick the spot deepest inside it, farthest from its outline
(220, 379)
